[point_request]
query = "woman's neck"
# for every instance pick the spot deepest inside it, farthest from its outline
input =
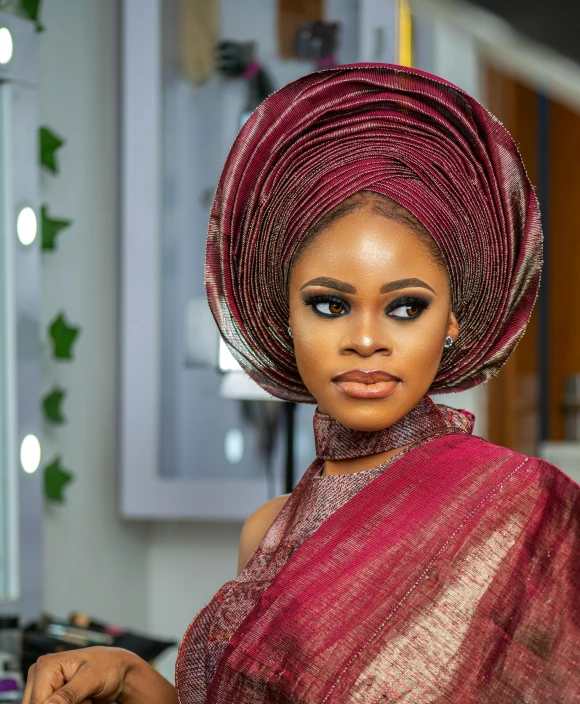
(360, 464)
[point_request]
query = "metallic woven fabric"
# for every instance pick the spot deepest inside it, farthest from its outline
(315, 499)
(404, 134)
(452, 578)
(427, 420)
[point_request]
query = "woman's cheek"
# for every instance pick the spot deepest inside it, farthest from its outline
(313, 354)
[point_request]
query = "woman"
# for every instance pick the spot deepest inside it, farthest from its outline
(374, 237)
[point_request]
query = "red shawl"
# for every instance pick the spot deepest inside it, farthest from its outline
(452, 577)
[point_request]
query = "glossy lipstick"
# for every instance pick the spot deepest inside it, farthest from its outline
(358, 383)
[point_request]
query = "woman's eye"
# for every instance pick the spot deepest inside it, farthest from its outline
(407, 310)
(327, 307)
(330, 307)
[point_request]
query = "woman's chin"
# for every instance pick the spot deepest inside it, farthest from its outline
(365, 419)
(370, 415)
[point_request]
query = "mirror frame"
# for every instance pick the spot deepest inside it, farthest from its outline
(145, 493)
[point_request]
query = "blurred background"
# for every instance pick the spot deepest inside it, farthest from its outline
(131, 445)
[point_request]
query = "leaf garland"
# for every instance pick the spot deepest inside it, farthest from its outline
(52, 405)
(63, 337)
(49, 143)
(50, 228)
(55, 480)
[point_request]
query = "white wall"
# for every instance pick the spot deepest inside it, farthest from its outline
(94, 561)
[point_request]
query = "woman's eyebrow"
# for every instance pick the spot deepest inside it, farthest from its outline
(349, 288)
(404, 283)
(330, 283)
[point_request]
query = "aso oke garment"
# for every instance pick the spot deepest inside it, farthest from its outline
(448, 574)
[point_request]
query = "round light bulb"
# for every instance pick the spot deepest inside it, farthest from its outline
(6, 45)
(30, 454)
(26, 226)
(234, 445)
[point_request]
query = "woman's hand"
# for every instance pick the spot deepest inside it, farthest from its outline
(97, 675)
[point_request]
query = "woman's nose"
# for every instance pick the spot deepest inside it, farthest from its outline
(366, 336)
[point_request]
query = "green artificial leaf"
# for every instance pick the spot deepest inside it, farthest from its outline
(31, 8)
(50, 228)
(55, 480)
(52, 405)
(49, 144)
(63, 337)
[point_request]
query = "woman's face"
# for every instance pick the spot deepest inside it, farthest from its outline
(369, 312)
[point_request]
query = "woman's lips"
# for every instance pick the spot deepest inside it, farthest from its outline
(358, 383)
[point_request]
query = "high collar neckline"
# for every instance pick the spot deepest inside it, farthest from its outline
(425, 421)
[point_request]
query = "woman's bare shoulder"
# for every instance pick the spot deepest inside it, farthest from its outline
(256, 526)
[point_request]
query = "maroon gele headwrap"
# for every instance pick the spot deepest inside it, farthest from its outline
(399, 132)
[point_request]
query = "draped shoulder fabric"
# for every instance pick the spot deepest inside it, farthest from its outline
(453, 577)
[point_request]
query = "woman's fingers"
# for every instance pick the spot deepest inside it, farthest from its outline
(46, 676)
(74, 692)
(61, 679)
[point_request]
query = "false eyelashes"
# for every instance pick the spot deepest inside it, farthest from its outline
(330, 306)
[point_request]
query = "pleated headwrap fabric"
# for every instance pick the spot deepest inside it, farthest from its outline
(399, 132)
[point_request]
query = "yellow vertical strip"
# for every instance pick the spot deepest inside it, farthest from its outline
(405, 34)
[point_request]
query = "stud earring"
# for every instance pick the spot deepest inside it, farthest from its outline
(290, 331)
(448, 342)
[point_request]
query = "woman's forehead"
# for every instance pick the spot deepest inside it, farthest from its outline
(365, 245)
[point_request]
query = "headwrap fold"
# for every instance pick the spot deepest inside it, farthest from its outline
(399, 132)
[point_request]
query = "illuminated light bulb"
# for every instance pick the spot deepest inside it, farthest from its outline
(6, 45)
(30, 454)
(26, 226)
(234, 445)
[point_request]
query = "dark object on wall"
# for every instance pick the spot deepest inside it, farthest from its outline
(318, 41)
(293, 14)
(238, 60)
(265, 418)
(234, 58)
(289, 473)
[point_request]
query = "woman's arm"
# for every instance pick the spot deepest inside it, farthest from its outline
(256, 527)
(146, 686)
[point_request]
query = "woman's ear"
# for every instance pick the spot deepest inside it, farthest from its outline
(453, 326)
